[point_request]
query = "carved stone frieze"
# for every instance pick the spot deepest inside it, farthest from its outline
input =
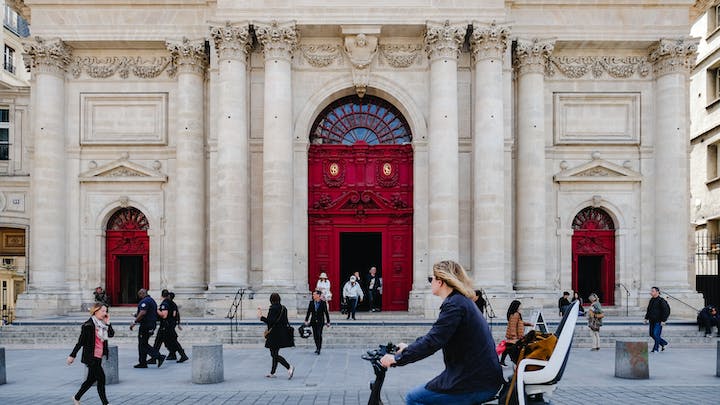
(188, 55)
(531, 56)
(400, 55)
(321, 55)
(47, 55)
(232, 41)
(444, 40)
(616, 67)
(674, 55)
(122, 172)
(599, 171)
(361, 50)
(123, 66)
(278, 40)
(489, 41)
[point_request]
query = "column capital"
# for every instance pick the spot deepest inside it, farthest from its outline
(278, 39)
(188, 55)
(50, 55)
(489, 41)
(443, 40)
(232, 41)
(531, 56)
(673, 55)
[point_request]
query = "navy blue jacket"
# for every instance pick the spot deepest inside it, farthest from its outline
(150, 307)
(462, 333)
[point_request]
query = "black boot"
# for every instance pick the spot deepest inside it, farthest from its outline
(183, 357)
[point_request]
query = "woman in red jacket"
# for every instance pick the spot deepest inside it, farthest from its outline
(93, 340)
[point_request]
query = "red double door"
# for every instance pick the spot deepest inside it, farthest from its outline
(593, 266)
(360, 216)
(127, 256)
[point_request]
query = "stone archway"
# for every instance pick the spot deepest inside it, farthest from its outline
(127, 255)
(593, 253)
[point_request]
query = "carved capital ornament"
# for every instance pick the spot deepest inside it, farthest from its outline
(232, 41)
(674, 56)
(489, 42)
(189, 55)
(47, 56)
(278, 40)
(531, 56)
(443, 41)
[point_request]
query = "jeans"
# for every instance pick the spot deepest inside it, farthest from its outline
(95, 373)
(422, 395)
(655, 332)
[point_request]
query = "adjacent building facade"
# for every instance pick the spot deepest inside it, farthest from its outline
(214, 146)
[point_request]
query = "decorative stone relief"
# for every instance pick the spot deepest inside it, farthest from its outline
(188, 55)
(598, 171)
(321, 55)
(531, 56)
(616, 67)
(444, 40)
(123, 66)
(489, 42)
(400, 55)
(278, 40)
(361, 50)
(674, 55)
(232, 41)
(47, 56)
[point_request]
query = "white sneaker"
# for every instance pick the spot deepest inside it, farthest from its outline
(75, 401)
(291, 371)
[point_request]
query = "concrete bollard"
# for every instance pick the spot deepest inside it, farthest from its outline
(207, 364)
(631, 360)
(109, 366)
(3, 377)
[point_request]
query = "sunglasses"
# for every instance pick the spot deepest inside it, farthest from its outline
(430, 279)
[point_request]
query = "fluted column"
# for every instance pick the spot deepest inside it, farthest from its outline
(48, 59)
(278, 42)
(191, 62)
(442, 43)
(530, 59)
(231, 205)
(672, 60)
(488, 47)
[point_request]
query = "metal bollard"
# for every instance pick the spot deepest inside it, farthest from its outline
(3, 378)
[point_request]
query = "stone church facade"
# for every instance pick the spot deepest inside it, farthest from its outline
(213, 146)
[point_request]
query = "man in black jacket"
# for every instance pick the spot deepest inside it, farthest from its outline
(317, 313)
(657, 313)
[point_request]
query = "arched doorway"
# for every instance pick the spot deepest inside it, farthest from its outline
(360, 167)
(127, 253)
(593, 250)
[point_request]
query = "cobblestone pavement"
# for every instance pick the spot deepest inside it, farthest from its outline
(339, 376)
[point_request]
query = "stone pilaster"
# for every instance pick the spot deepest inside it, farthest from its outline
(530, 60)
(191, 62)
(232, 204)
(278, 42)
(488, 259)
(442, 43)
(672, 61)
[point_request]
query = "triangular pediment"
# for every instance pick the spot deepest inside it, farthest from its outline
(122, 170)
(598, 170)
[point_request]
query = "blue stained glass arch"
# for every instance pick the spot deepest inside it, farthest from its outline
(352, 119)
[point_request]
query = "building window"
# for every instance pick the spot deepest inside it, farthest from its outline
(712, 162)
(713, 85)
(15, 23)
(4, 134)
(9, 59)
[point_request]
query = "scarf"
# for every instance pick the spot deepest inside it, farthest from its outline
(100, 328)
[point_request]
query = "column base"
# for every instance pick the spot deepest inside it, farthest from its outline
(40, 304)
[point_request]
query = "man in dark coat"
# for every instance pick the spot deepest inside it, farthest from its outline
(707, 318)
(319, 316)
(146, 316)
(563, 303)
(657, 314)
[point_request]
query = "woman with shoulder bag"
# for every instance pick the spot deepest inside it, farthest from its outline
(595, 316)
(514, 332)
(277, 335)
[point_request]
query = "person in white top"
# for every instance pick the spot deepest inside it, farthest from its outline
(352, 294)
(323, 285)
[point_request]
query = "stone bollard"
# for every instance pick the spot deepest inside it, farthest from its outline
(631, 360)
(109, 366)
(717, 367)
(207, 364)
(3, 378)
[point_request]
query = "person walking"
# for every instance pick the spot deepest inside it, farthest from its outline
(94, 342)
(352, 293)
(595, 317)
(277, 335)
(169, 316)
(374, 290)
(323, 285)
(318, 316)
(472, 373)
(657, 314)
(175, 313)
(146, 316)
(515, 331)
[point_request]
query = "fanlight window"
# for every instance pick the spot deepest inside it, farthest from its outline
(352, 119)
(592, 218)
(128, 219)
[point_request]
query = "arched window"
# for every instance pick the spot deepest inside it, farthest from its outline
(369, 119)
(592, 218)
(128, 219)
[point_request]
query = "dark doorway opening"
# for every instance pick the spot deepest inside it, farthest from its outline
(131, 277)
(358, 252)
(589, 276)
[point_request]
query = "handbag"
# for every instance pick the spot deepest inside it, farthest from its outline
(500, 348)
(267, 332)
(593, 323)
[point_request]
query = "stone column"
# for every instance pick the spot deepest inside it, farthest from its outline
(232, 203)
(442, 43)
(672, 61)
(48, 59)
(488, 260)
(191, 62)
(278, 42)
(530, 59)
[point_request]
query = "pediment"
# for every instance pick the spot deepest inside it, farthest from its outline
(367, 201)
(598, 170)
(122, 170)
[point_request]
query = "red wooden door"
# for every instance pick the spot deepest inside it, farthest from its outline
(127, 252)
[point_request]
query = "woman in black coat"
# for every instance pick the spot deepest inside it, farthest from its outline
(278, 336)
(93, 340)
